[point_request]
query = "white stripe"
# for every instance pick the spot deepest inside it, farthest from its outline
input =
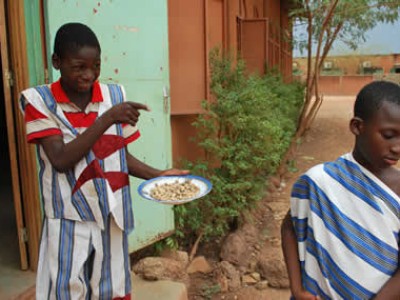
(359, 270)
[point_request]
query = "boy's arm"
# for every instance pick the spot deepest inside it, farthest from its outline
(391, 289)
(64, 156)
(291, 255)
(139, 169)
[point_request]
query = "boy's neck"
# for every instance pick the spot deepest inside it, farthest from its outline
(81, 100)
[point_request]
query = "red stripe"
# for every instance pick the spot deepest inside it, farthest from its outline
(93, 170)
(107, 144)
(61, 96)
(132, 138)
(80, 119)
(35, 136)
(32, 114)
(117, 180)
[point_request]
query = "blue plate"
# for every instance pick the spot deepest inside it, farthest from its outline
(203, 184)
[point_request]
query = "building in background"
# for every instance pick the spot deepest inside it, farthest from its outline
(257, 30)
(346, 71)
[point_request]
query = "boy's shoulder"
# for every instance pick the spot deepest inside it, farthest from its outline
(319, 170)
(34, 88)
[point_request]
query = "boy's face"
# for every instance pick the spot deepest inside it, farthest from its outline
(79, 69)
(378, 139)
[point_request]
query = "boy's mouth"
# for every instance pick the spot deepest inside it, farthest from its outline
(391, 161)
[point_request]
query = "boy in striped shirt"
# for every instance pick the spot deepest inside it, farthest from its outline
(341, 237)
(82, 128)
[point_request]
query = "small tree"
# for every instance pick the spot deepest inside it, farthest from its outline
(327, 21)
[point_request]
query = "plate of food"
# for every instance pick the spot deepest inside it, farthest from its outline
(175, 189)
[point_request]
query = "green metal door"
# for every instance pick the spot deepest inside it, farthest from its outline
(134, 38)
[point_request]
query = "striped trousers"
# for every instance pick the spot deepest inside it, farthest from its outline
(78, 260)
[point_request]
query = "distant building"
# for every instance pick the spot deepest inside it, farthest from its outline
(353, 65)
(345, 75)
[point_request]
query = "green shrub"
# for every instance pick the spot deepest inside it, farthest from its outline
(244, 134)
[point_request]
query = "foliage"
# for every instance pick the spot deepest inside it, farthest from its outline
(325, 22)
(208, 291)
(244, 133)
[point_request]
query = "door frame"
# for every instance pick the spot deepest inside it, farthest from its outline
(12, 145)
(23, 161)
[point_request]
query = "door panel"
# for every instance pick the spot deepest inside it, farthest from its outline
(11, 138)
(134, 41)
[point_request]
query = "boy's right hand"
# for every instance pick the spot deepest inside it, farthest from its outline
(126, 112)
(304, 295)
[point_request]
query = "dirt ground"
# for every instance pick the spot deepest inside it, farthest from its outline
(328, 138)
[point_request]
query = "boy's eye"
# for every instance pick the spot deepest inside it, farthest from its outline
(387, 135)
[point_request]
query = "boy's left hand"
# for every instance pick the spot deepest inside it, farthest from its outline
(176, 172)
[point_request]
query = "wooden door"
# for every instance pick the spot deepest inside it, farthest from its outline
(9, 113)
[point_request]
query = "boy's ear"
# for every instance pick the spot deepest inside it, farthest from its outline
(55, 59)
(356, 125)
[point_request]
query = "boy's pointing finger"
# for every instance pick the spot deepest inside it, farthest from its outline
(138, 106)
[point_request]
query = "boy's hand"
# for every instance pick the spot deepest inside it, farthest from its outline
(176, 172)
(127, 112)
(304, 295)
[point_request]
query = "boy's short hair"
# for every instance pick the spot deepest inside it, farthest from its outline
(371, 97)
(71, 37)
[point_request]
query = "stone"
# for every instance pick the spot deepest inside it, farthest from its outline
(199, 264)
(160, 268)
(256, 276)
(180, 256)
(238, 245)
(248, 280)
(274, 270)
(227, 276)
(262, 285)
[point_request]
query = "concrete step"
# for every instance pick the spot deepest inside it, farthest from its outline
(141, 290)
(156, 290)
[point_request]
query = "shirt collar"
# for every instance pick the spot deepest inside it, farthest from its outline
(61, 97)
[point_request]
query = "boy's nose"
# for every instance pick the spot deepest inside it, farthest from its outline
(88, 74)
(395, 148)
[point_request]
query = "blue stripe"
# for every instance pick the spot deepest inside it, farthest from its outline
(310, 284)
(105, 286)
(373, 250)
(377, 190)
(58, 205)
(66, 242)
(22, 103)
(51, 104)
(126, 264)
(79, 201)
(300, 226)
(41, 172)
(345, 286)
(352, 183)
(88, 268)
(116, 96)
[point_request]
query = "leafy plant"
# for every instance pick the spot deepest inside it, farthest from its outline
(244, 132)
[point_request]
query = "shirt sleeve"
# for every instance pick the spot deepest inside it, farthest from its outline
(299, 210)
(38, 124)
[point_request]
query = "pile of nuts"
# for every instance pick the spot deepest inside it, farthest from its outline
(175, 191)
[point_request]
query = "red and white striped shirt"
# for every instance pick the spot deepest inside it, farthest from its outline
(98, 185)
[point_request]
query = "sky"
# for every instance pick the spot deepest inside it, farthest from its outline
(383, 39)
